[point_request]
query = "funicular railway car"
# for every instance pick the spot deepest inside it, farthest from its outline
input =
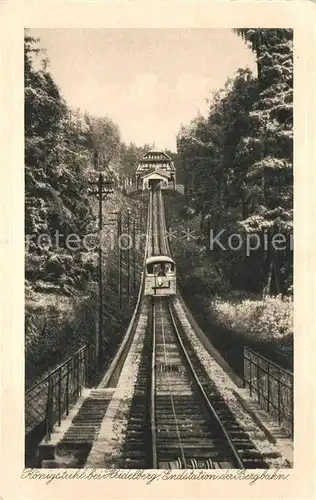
(160, 276)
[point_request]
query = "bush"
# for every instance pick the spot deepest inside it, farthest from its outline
(268, 319)
(231, 319)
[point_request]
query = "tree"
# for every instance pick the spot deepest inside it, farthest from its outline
(104, 140)
(56, 157)
(211, 150)
(130, 154)
(270, 178)
(237, 162)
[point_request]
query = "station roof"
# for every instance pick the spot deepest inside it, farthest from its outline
(159, 258)
(157, 154)
(157, 171)
(158, 160)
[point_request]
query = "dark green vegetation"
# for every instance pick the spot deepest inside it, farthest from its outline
(59, 320)
(230, 318)
(237, 165)
(237, 169)
(63, 150)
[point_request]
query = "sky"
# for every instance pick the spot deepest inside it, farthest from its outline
(148, 81)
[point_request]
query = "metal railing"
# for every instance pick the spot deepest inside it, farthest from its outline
(51, 398)
(272, 385)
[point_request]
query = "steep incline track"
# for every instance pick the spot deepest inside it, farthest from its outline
(178, 419)
(174, 416)
(191, 428)
(192, 424)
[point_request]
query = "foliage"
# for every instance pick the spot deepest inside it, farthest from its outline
(62, 151)
(196, 270)
(237, 162)
(267, 319)
(56, 156)
(231, 319)
(129, 156)
(103, 140)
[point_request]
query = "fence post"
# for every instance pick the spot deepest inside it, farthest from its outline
(251, 369)
(78, 374)
(245, 368)
(67, 388)
(72, 380)
(279, 397)
(268, 388)
(59, 396)
(49, 409)
(257, 374)
(292, 414)
(85, 366)
(81, 367)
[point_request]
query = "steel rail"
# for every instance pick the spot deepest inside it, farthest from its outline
(203, 393)
(170, 389)
(159, 228)
(149, 226)
(163, 232)
(153, 391)
(155, 231)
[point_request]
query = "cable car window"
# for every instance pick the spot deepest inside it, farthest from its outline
(150, 268)
(160, 268)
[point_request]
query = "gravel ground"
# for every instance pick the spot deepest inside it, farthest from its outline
(225, 386)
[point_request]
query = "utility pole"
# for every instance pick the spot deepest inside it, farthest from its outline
(104, 188)
(114, 222)
(119, 234)
(128, 257)
(134, 258)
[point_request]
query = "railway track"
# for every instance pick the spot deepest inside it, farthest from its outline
(158, 242)
(178, 419)
(176, 416)
(155, 226)
(161, 227)
(186, 430)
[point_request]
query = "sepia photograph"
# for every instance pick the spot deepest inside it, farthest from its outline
(159, 251)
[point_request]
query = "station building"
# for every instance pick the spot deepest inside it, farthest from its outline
(155, 168)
